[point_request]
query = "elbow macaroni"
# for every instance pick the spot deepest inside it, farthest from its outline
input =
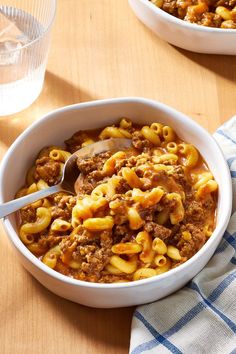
(190, 153)
(134, 216)
(109, 165)
(59, 155)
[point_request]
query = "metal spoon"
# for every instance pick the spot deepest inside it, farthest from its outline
(69, 175)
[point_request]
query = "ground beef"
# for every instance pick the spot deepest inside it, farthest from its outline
(129, 162)
(62, 206)
(194, 14)
(190, 247)
(208, 203)
(122, 187)
(84, 184)
(93, 254)
(168, 204)
(194, 212)
(96, 261)
(65, 201)
(28, 214)
(81, 251)
(157, 178)
(95, 176)
(106, 239)
(88, 253)
(60, 213)
(48, 170)
(93, 164)
(119, 213)
(175, 235)
(177, 172)
(119, 232)
(122, 233)
(147, 184)
(119, 164)
(85, 237)
(48, 241)
(181, 10)
(157, 230)
(149, 214)
(119, 217)
(139, 142)
(163, 178)
(170, 6)
(209, 19)
(74, 143)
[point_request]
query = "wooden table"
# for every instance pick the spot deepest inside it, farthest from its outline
(99, 49)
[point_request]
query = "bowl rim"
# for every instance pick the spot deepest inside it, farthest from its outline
(182, 118)
(182, 23)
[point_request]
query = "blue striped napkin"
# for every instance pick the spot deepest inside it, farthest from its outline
(201, 317)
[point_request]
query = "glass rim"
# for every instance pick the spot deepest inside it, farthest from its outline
(44, 32)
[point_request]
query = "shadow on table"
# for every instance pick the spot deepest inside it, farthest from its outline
(222, 65)
(63, 92)
(112, 326)
(56, 93)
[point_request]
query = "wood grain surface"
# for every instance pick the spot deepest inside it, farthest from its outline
(99, 49)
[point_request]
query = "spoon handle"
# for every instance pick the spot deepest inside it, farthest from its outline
(16, 204)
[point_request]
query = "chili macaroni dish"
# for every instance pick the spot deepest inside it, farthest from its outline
(210, 13)
(137, 213)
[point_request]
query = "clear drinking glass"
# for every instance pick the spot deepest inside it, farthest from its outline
(25, 27)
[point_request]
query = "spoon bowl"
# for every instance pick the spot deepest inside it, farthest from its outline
(69, 175)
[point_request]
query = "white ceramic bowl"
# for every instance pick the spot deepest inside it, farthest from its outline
(53, 129)
(193, 37)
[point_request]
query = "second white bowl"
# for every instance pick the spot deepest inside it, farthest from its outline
(193, 37)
